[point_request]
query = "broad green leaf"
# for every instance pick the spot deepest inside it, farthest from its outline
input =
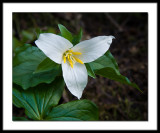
(107, 66)
(39, 100)
(107, 60)
(22, 48)
(65, 33)
(110, 73)
(16, 43)
(46, 65)
(24, 65)
(77, 38)
(79, 110)
(19, 118)
(90, 70)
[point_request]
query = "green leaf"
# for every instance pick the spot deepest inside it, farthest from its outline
(22, 48)
(107, 66)
(24, 65)
(107, 60)
(77, 38)
(112, 74)
(37, 32)
(79, 110)
(19, 118)
(16, 43)
(39, 100)
(27, 36)
(46, 65)
(90, 70)
(65, 33)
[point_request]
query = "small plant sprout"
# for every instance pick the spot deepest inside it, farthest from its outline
(72, 58)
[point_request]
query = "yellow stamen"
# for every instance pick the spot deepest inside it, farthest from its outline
(70, 62)
(73, 59)
(78, 60)
(64, 58)
(70, 50)
(76, 53)
(69, 55)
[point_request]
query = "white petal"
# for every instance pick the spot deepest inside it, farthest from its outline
(94, 48)
(53, 46)
(76, 78)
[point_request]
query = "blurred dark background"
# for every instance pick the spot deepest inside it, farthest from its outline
(116, 102)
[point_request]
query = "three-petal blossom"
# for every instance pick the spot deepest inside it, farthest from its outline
(72, 58)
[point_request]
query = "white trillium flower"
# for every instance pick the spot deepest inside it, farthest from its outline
(72, 58)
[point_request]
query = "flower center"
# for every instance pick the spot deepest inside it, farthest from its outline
(69, 55)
